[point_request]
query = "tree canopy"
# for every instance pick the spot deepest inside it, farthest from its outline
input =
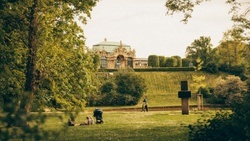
(44, 61)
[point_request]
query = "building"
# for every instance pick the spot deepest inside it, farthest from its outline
(141, 62)
(114, 55)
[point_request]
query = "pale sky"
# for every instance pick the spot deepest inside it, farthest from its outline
(144, 25)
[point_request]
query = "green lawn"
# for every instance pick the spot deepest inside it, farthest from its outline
(153, 125)
(163, 87)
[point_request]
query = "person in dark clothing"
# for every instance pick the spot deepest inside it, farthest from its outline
(98, 115)
(71, 121)
(145, 104)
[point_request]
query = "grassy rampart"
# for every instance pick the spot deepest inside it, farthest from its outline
(163, 87)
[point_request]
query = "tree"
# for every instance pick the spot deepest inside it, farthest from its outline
(50, 57)
(232, 48)
(12, 52)
(132, 84)
(153, 61)
(212, 65)
(186, 7)
(199, 49)
(124, 88)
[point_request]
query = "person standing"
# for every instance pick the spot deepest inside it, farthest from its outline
(145, 103)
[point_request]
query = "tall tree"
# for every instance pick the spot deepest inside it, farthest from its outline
(232, 48)
(49, 46)
(199, 49)
(12, 51)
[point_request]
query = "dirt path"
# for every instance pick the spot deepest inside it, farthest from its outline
(165, 108)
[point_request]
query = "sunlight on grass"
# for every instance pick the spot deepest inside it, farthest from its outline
(163, 87)
(156, 125)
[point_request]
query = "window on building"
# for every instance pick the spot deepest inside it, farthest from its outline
(130, 62)
(103, 62)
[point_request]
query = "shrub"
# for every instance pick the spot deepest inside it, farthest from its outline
(178, 61)
(107, 87)
(229, 90)
(212, 68)
(171, 62)
(153, 61)
(211, 128)
(206, 91)
(132, 84)
(225, 125)
(185, 62)
(165, 69)
(162, 61)
(125, 89)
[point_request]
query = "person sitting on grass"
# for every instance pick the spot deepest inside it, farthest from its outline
(89, 121)
(71, 121)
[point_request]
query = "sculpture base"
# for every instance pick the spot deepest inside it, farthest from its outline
(184, 106)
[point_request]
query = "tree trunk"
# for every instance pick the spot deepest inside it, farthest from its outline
(30, 83)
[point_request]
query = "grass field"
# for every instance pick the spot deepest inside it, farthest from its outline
(124, 126)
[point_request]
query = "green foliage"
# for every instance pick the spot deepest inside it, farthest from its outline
(162, 61)
(12, 51)
(229, 90)
(129, 83)
(164, 69)
(198, 82)
(126, 88)
(44, 60)
(185, 62)
(232, 51)
(107, 87)
(178, 61)
(225, 125)
(32, 131)
(171, 62)
(153, 61)
(199, 51)
(212, 67)
(186, 7)
(206, 91)
(213, 127)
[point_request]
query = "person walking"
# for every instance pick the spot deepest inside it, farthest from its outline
(145, 103)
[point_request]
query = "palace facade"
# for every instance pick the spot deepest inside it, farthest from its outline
(114, 55)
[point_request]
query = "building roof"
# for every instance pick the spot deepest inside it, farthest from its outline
(110, 46)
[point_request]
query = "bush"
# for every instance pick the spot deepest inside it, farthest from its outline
(162, 61)
(225, 126)
(125, 89)
(153, 61)
(229, 90)
(206, 91)
(212, 68)
(171, 62)
(132, 84)
(185, 62)
(178, 61)
(211, 128)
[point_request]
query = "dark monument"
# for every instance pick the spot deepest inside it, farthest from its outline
(184, 94)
